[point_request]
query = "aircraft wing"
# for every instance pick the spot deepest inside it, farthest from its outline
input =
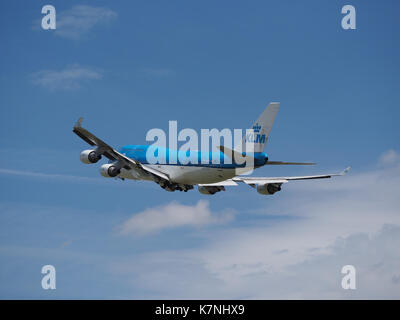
(113, 154)
(263, 180)
(252, 181)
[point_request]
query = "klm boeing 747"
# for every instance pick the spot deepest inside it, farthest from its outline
(210, 171)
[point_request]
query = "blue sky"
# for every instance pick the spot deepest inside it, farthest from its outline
(127, 67)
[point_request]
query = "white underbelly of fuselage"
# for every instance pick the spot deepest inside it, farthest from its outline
(191, 175)
(196, 174)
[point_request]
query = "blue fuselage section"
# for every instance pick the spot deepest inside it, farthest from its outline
(164, 156)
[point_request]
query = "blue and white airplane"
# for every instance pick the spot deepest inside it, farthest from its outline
(130, 162)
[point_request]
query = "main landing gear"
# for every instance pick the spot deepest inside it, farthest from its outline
(167, 186)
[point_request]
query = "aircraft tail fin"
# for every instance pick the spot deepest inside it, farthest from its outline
(256, 139)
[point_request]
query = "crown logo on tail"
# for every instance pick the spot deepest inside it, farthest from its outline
(256, 127)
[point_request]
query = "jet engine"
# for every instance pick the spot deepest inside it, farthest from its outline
(269, 188)
(109, 170)
(211, 189)
(90, 156)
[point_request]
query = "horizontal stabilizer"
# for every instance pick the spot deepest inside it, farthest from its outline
(275, 163)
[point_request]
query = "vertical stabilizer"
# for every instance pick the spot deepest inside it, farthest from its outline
(255, 139)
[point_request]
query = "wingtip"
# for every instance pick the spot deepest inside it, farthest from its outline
(79, 123)
(345, 170)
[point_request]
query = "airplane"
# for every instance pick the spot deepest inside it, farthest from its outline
(130, 162)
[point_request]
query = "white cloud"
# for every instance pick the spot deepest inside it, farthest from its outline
(195, 274)
(80, 19)
(172, 215)
(69, 78)
(348, 220)
(389, 157)
(353, 219)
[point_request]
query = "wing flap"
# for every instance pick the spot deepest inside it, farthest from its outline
(224, 183)
(155, 172)
(260, 180)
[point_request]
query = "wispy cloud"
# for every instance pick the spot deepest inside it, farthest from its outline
(172, 215)
(70, 78)
(81, 19)
(40, 175)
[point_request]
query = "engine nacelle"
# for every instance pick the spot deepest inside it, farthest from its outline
(109, 170)
(269, 188)
(211, 189)
(90, 156)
